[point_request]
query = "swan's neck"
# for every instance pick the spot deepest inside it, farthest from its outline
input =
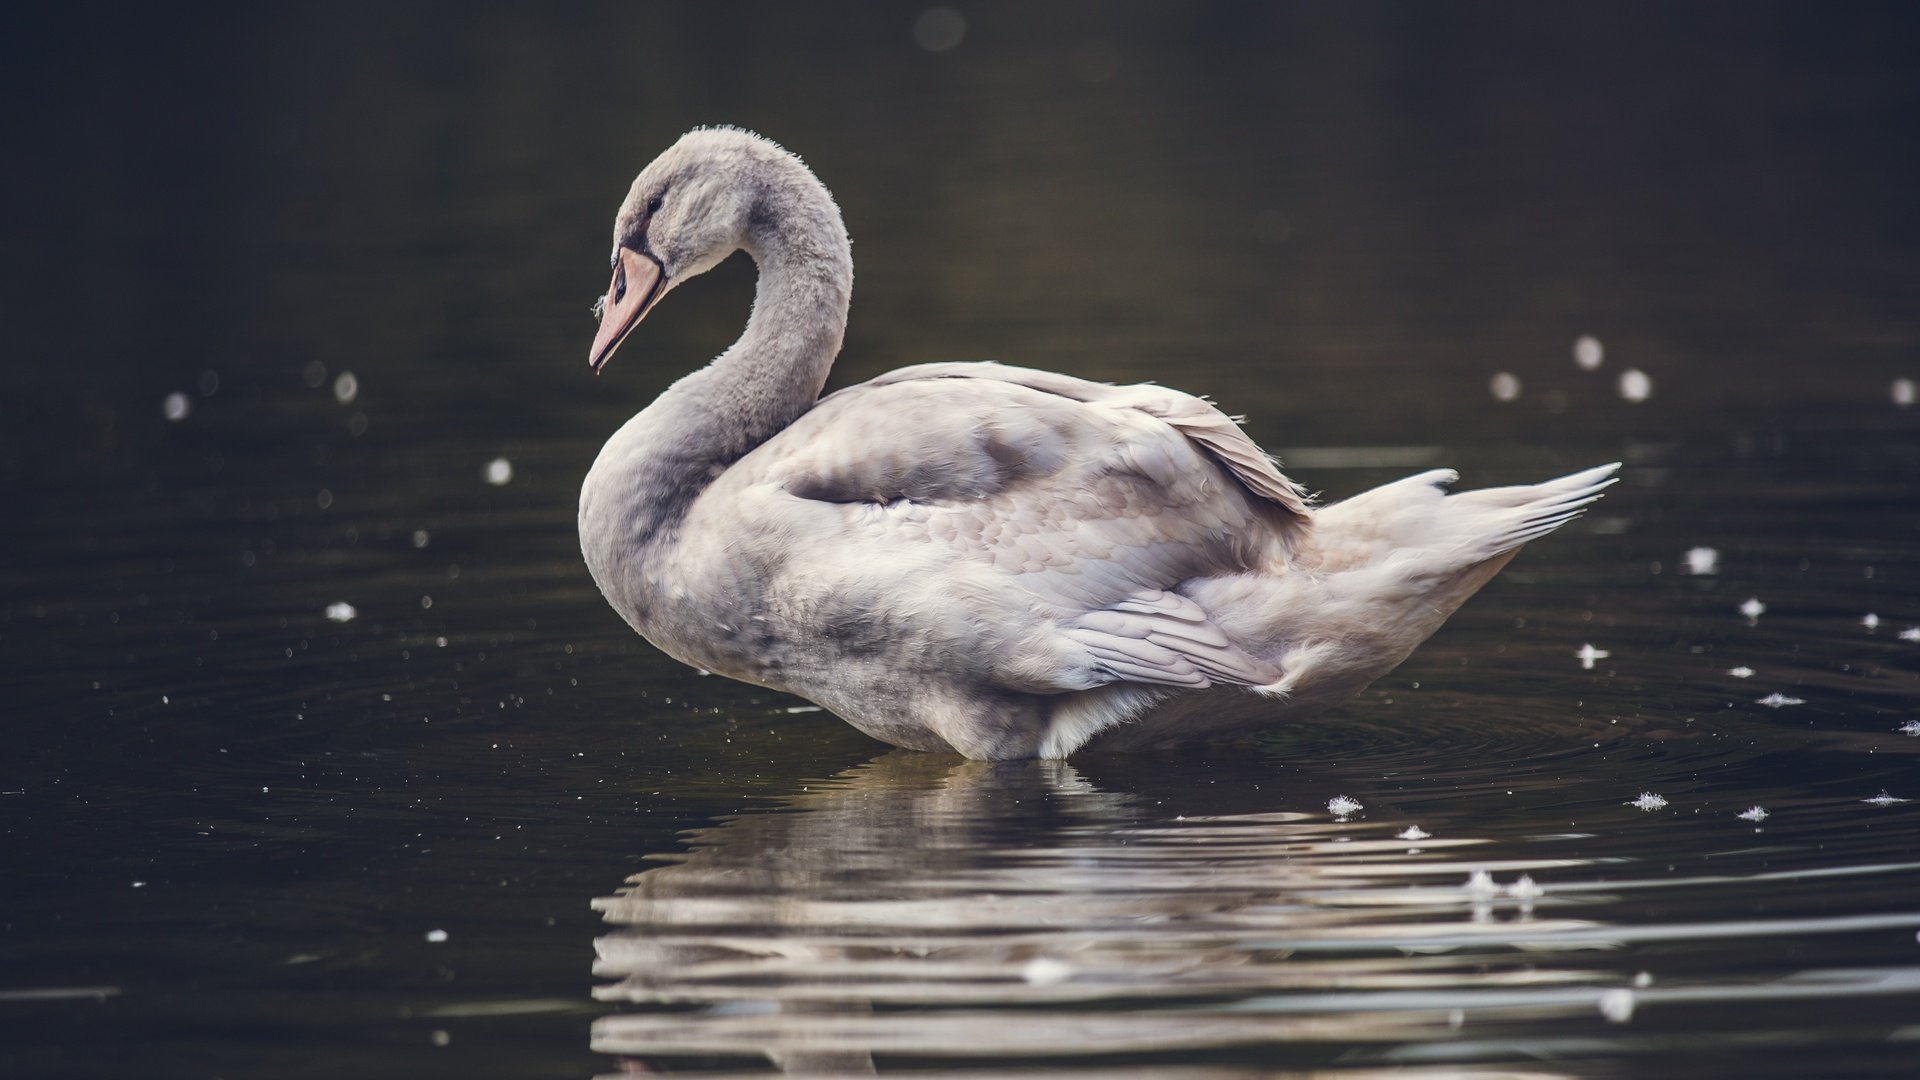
(775, 371)
(653, 469)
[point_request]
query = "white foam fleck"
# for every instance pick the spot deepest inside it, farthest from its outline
(1911, 727)
(1524, 888)
(1588, 353)
(436, 936)
(1911, 633)
(346, 387)
(1046, 971)
(1905, 393)
(1505, 386)
(1648, 801)
(1617, 1005)
(1415, 832)
(1870, 621)
(1741, 672)
(1635, 385)
(1702, 560)
(341, 611)
(1587, 654)
(1480, 884)
(176, 407)
(1642, 979)
(1753, 813)
(1341, 806)
(499, 472)
(1778, 700)
(1752, 608)
(1884, 799)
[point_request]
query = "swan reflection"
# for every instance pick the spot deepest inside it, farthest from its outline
(924, 909)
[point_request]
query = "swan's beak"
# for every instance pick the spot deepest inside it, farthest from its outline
(637, 281)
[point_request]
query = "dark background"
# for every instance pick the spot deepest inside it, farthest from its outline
(1280, 193)
(1339, 219)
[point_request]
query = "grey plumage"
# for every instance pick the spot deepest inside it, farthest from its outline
(984, 558)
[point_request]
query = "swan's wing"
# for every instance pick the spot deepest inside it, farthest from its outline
(1078, 507)
(1162, 638)
(1194, 417)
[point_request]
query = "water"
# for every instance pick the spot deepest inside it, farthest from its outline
(478, 829)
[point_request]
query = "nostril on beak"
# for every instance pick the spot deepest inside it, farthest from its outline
(620, 285)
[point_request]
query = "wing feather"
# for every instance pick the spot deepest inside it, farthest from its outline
(1194, 417)
(1166, 634)
(1085, 507)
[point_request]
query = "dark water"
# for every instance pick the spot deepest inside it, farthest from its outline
(239, 838)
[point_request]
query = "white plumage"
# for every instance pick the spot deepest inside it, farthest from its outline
(983, 558)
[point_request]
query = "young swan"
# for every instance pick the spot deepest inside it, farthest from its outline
(995, 560)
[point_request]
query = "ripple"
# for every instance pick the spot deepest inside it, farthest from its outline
(918, 907)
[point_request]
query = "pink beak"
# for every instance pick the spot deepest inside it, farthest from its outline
(637, 281)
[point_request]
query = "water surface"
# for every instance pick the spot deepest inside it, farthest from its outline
(480, 829)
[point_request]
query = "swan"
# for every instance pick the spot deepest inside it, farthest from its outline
(973, 557)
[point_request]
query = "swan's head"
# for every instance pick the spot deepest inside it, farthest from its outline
(692, 207)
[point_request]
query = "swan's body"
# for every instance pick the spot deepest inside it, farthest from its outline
(989, 559)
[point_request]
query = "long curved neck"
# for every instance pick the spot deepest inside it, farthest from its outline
(776, 369)
(651, 471)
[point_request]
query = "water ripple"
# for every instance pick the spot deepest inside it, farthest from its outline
(921, 908)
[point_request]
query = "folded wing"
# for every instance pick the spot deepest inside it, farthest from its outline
(1089, 505)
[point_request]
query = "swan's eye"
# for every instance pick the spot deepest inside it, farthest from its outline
(599, 307)
(653, 205)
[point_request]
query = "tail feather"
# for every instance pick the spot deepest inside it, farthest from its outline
(1379, 572)
(1505, 518)
(1415, 519)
